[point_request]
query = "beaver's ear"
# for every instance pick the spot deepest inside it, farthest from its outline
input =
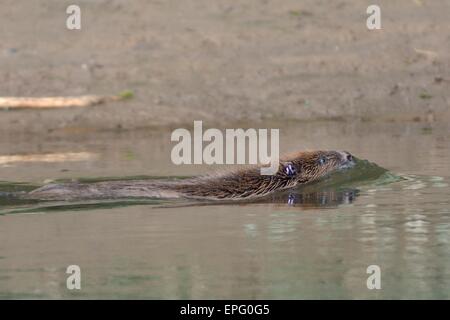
(289, 169)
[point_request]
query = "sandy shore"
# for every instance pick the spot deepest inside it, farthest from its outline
(226, 62)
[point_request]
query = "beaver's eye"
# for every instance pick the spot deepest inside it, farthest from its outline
(291, 199)
(322, 160)
(290, 170)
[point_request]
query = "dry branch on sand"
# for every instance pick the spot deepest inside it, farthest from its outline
(59, 102)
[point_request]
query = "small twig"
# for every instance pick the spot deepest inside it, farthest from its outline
(47, 157)
(59, 102)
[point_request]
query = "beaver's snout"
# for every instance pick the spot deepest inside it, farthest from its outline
(347, 159)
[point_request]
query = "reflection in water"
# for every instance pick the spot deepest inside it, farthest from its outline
(319, 199)
(272, 248)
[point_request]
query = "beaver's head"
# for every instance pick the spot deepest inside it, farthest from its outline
(298, 168)
(312, 165)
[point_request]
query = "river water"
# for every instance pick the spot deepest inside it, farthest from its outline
(312, 243)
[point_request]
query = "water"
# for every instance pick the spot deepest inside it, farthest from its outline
(315, 242)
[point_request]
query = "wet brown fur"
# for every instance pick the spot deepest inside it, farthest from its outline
(240, 184)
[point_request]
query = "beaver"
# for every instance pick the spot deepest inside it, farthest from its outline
(245, 183)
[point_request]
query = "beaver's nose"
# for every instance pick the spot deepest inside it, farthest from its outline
(347, 156)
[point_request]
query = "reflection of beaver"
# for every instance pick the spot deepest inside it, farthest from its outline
(296, 169)
(328, 198)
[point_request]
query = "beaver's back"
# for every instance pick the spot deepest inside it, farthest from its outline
(101, 190)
